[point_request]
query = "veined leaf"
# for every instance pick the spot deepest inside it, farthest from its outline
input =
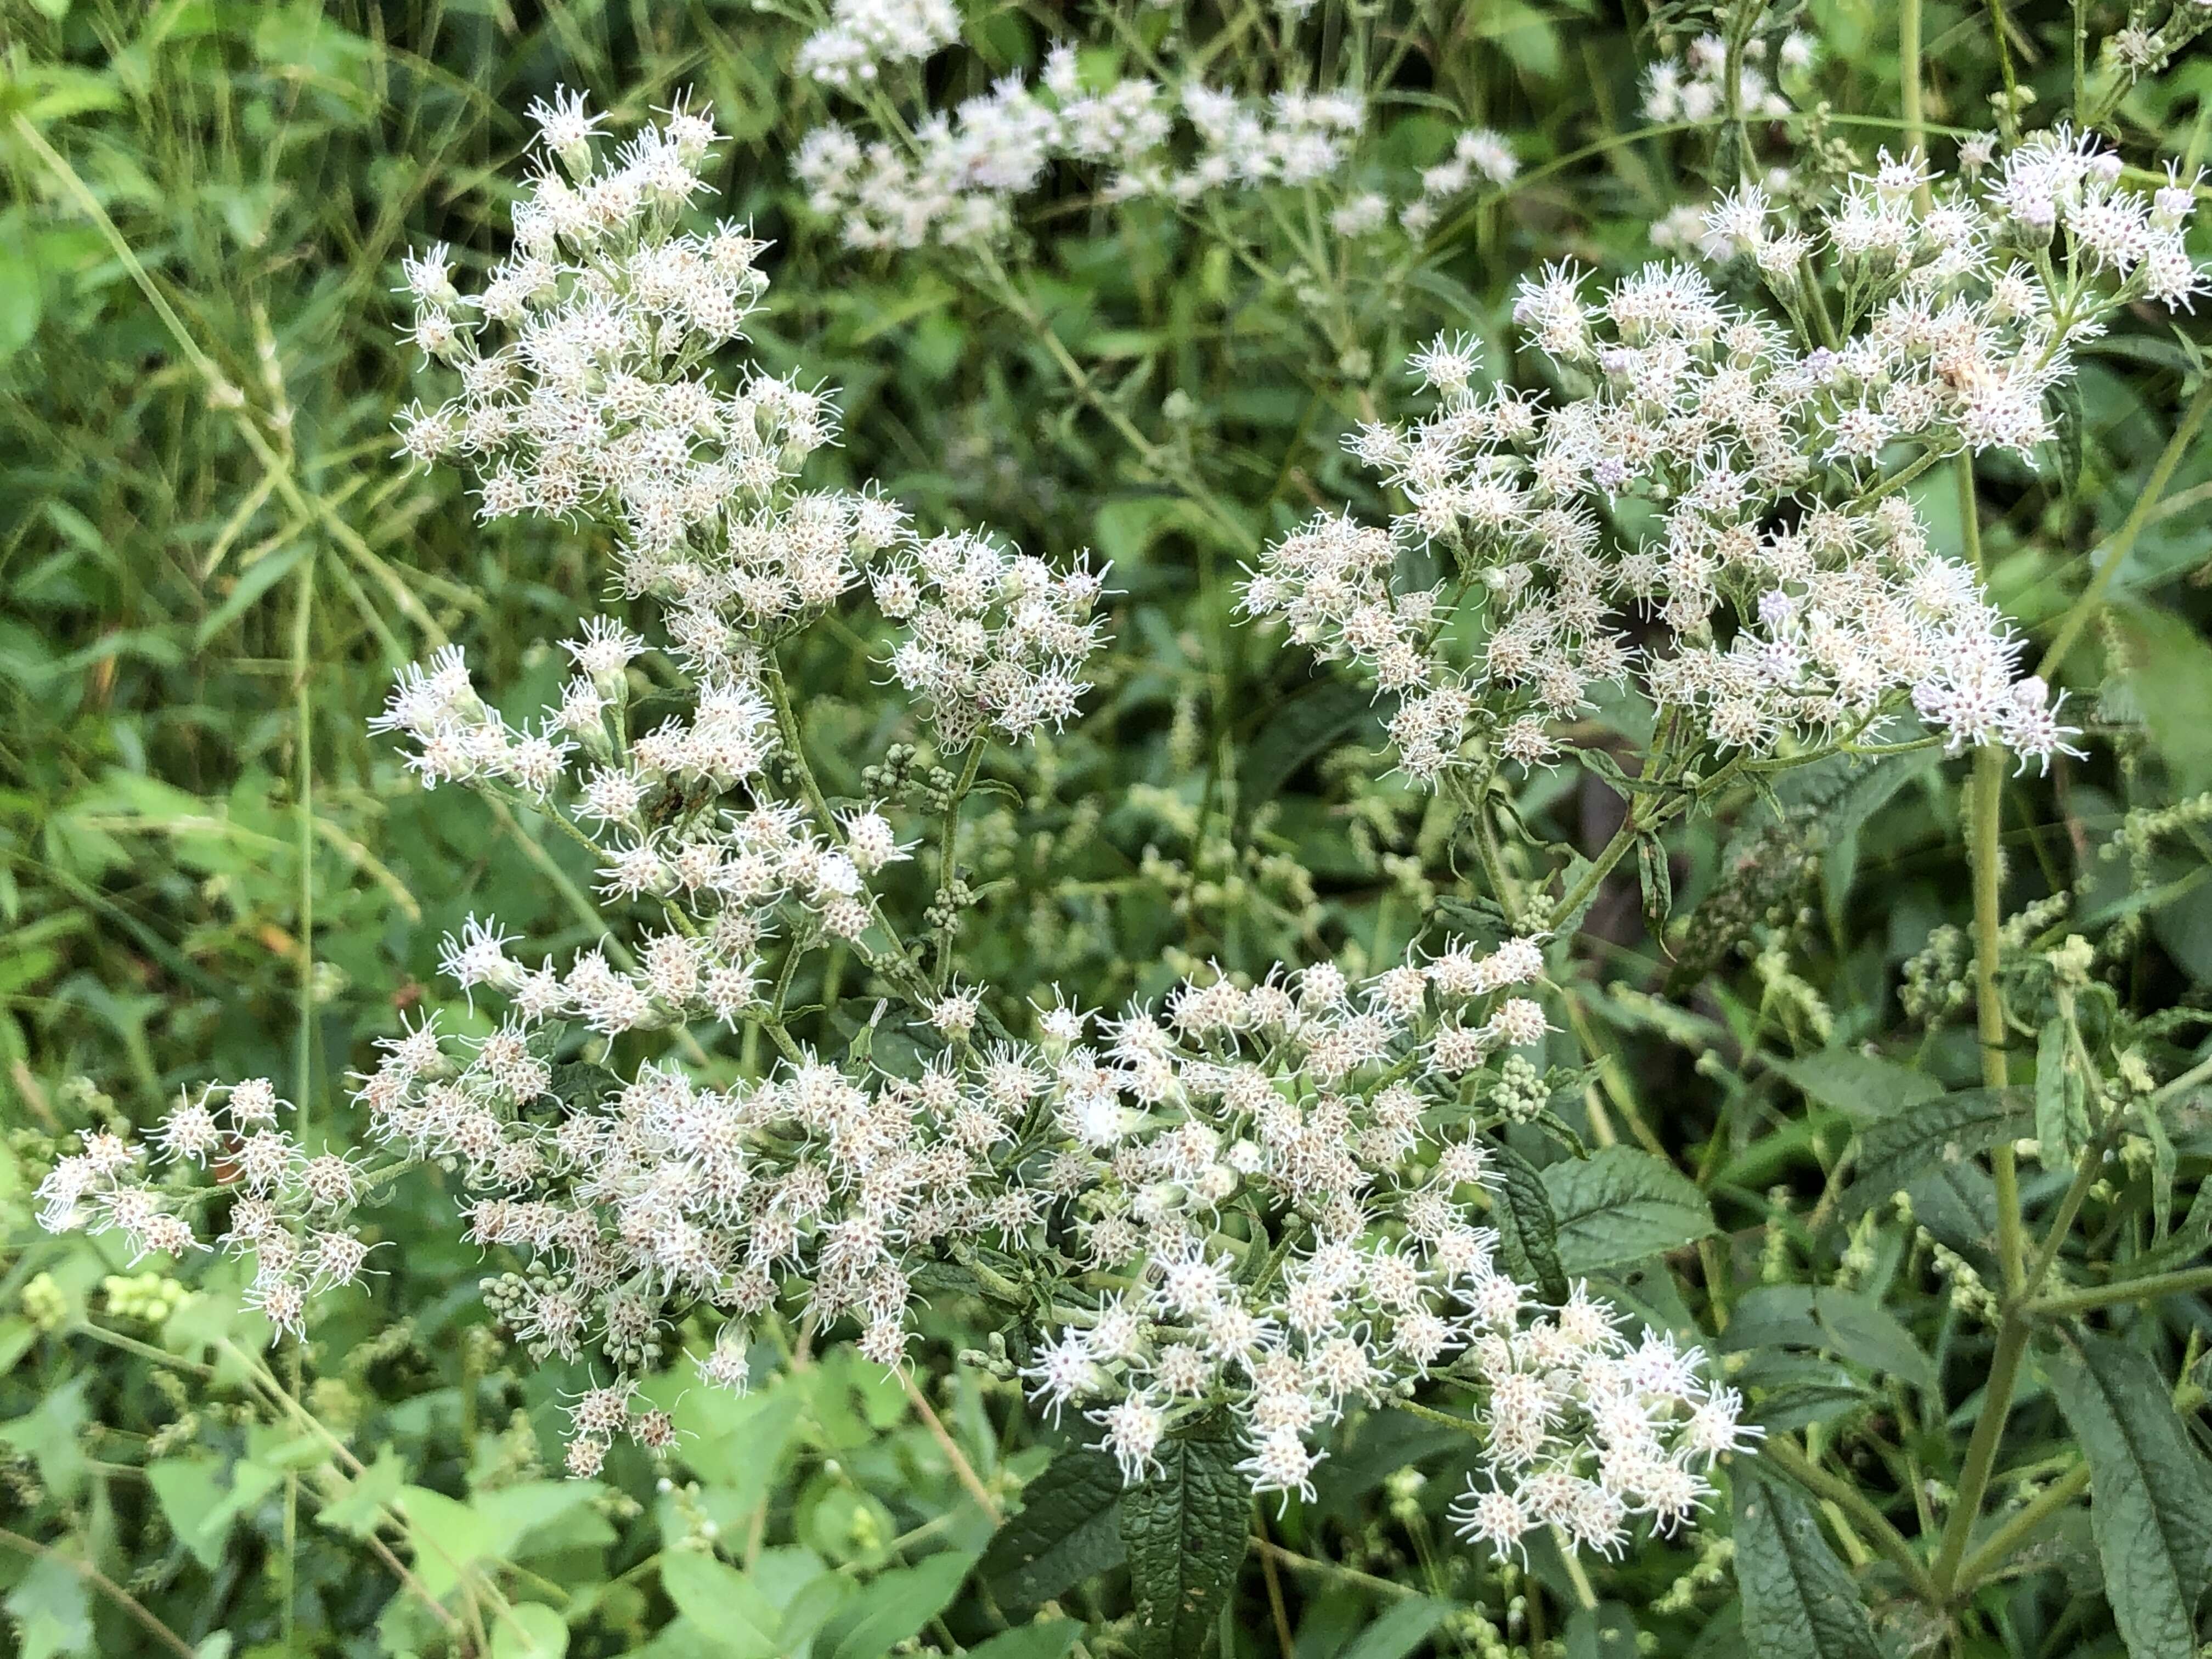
(2150, 1491)
(721, 1600)
(1621, 1205)
(1185, 1529)
(1069, 1528)
(1799, 1602)
(1527, 1233)
(1899, 1150)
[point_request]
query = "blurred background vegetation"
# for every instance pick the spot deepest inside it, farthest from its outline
(211, 566)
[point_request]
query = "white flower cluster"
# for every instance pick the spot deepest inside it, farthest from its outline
(605, 403)
(2154, 32)
(863, 35)
(1584, 1430)
(954, 181)
(1278, 1189)
(1333, 1109)
(291, 1212)
(1799, 599)
(995, 639)
(1694, 87)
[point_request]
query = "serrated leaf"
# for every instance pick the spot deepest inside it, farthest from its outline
(2150, 1491)
(1799, 1602)
(1621, 1205)
(2061, 1105)
(1067, 1529)
(1845, 1323)
(1901, 1149)
(2169, 668)
(1527, 1232)
(1185, 1530)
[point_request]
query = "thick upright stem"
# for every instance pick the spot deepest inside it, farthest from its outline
(1908, 75)
(1987, 803)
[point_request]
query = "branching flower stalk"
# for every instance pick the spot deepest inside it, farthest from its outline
(1265, 1201)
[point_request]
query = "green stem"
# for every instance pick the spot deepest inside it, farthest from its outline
(1600, 866)
(1895, 482)
(303, 704)
(1981, 1451)
(2183, 1282)
(2084, 609)
(1987, 806)
(1586, 1597)
(1782, 1451)
(1908, 77)
(1997, 1548)
(106, 1586)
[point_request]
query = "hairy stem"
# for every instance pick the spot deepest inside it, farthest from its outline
(1998, 1547)
(2185, 1281)
(1782, 1451)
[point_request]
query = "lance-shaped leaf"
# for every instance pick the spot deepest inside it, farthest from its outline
(2150, 1491)
(1799, 1602)
(1068, 1529)
(1185, 1529)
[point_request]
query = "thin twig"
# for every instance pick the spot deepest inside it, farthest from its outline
(106, 1586)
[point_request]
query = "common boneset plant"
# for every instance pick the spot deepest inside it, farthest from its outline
(1279, 1189)
(1255, 1209)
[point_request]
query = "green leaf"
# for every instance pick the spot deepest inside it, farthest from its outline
(1845, 1323)
(723, 1602)
(1606, 1631)
(1622, 1204)
(1185, 1530)
(1068, 1529)
(2061, 1104)
(19, 301)
(1899, 1150)
(362, 1509)
(1656, 876)
(1399, 1631)
(1300, 729)
(51, 1607)
(2150, 1491)
(528, 1630)
(894, 1606)
(257, 579)
(1527, 1232)
(2169, 668)
(1798, 1601)
(1048, 1638)
(1863, 1087)
(189, 1490)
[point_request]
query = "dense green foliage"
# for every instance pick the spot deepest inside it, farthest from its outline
(1774, 1127)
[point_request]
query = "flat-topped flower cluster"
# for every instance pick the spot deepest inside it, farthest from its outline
(1265, 1200)
(952, 178)
(1277, 1192)
(1796, 597)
